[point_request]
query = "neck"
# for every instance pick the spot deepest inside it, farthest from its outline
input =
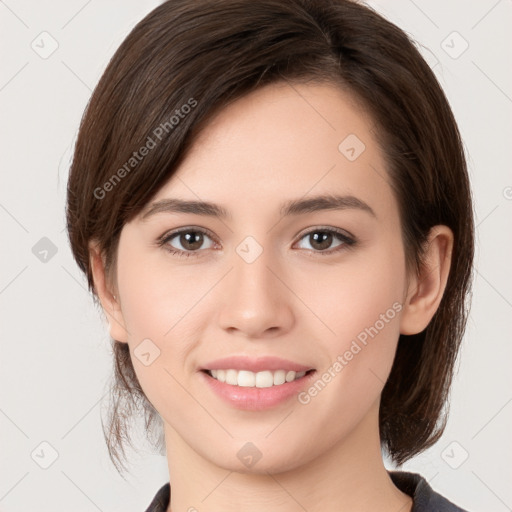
(349, 476)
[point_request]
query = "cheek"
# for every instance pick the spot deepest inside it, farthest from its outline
(363, 306)
(160, 304)
(355, 296)
(156, 296)
(156, 310)
(142, 304)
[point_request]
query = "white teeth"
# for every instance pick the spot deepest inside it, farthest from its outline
(279, 377)
(264, 379)
(232, 377)
(246, 379)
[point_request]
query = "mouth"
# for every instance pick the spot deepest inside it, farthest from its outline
(261, 379)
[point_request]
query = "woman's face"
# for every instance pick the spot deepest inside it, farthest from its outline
(281, 275)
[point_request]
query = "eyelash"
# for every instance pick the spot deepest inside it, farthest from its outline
(348, 242)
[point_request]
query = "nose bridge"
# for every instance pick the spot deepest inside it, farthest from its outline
(253, 283)
(255, 300)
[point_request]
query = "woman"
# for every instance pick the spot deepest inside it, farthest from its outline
(271, 204)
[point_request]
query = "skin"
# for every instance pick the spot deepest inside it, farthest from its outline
(278, 143)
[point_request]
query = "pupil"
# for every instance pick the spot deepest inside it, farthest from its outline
(191, 239)
(324, 239)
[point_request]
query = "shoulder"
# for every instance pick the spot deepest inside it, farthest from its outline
(425, 499)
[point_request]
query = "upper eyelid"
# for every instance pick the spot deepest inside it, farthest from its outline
(339, 231)
(171, 234)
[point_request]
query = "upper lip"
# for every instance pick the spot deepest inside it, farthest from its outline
(255, 364)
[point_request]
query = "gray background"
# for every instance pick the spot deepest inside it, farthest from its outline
(55, 360)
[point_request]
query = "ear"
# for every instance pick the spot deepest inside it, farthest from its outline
(426, 289)
(109, 301)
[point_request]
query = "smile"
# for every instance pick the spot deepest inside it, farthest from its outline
(263, 379)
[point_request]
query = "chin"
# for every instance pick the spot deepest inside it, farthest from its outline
(257, 458)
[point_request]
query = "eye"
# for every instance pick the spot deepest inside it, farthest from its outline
(186, 242)
(320, 239)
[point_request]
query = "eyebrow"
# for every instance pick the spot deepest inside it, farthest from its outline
(293, 207)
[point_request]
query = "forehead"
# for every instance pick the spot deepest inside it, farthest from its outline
(284, 141)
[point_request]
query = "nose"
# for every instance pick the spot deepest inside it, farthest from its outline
(254, 301)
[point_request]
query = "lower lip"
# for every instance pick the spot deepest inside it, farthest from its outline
(256, 399)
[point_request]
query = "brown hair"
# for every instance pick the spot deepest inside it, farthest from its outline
(206, 54)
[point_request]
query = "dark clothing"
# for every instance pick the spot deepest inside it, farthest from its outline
(425, 499)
